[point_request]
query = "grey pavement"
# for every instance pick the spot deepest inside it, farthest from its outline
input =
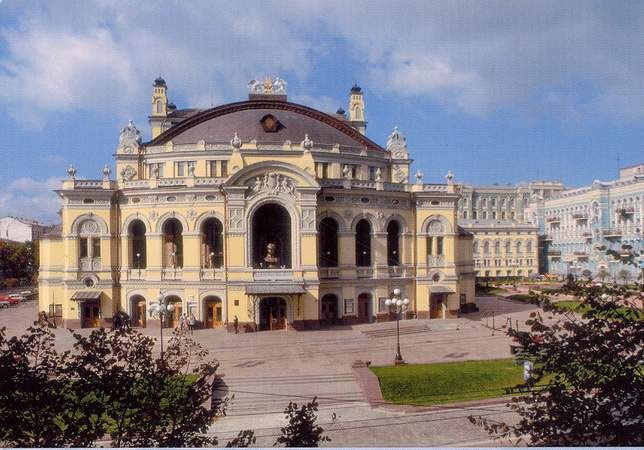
(264, 371)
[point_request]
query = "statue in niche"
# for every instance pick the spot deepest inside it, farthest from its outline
(271, 259)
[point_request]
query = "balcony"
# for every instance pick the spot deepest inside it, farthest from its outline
(364, 272)
(329, 272)
(135, 274)
(435, 260)
(396, 271)
(612, 234)
(171, 273)
(553, 219)
(554, 252)
(211, 274)
(90, 264)
(580, 216)
(273, 275)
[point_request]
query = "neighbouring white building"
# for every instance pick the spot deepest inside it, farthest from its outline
(21, 230)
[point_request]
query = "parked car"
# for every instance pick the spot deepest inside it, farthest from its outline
(4, 303)
(10, 300)
(21, 298)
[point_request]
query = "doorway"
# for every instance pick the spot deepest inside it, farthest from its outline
(91, 314)
(364, 306)
(173, 320)
(329, 310)
(435, 306)
(272, 314)
(214, 312)
(138, 311)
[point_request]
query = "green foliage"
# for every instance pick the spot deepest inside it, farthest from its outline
(19, 260)
(109, 384)
(301, 430)
(431, 384)
(591, 367)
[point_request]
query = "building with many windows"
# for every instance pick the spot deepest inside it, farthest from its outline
(19, 229)
(587, 231)
(505, 232)
(262, 210)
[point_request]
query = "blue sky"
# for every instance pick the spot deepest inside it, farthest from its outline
(498, 92)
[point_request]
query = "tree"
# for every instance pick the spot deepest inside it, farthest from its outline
(602, 274)
(302, 430)
(587, 386)
(110, 383)
(624, 275)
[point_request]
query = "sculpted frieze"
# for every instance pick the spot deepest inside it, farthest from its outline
(272, 183)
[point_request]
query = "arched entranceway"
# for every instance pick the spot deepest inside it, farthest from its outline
(173, 320)
(139, 310)
(272, 314)
(213, 312)
(271, 228)
(364, 308)
(329, 310)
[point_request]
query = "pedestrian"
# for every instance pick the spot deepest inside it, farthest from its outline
(191, 323)
(236, 325)
(183, 322)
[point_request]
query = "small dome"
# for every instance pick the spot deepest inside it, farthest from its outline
(172, 106)
(340, 111)
(356, 89)
(159, 82)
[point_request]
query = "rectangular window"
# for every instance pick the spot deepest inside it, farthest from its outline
(512, 215)
(56, 310)
(354, 171)
(96, 247)
(503, 215)
(224, 168)
(322, 169)
(430, 242)
(484, 215)
(439, 245)
(348, 306)
(180, 169)
(158, 167)
(474, 215)
(372, 173)
(212, 169)
(494, 214)
(382, 307)
(83, 248)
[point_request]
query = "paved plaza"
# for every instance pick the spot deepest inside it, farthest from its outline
(264, 371)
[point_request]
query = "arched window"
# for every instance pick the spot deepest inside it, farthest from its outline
(393, 244)
(475, 247)
(508, 248)
(89, 245)
(529, 247)
(363, 243)
(271, 228)
(172, 244)
(159, 106)
(138, 256)
(519, 246)
(497, 248)
(212, 244)
(486, 248)
(328, 230)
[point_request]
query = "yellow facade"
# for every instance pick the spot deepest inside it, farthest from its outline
(265, 211)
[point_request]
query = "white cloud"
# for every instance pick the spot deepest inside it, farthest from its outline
(470, 56)
(33, 199)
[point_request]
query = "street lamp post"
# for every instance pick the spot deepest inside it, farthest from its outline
(138, 263)
(398, 306)
(212, 264)
(161, 309)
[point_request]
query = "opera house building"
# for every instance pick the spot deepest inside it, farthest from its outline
(263, 210)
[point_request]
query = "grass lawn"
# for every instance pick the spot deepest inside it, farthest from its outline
(489, 290)
(581, 308)
(431, 384)
(522, 297)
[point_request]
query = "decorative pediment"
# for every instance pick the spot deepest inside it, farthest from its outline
(272, 183)
(397, 145)
(129, 139)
